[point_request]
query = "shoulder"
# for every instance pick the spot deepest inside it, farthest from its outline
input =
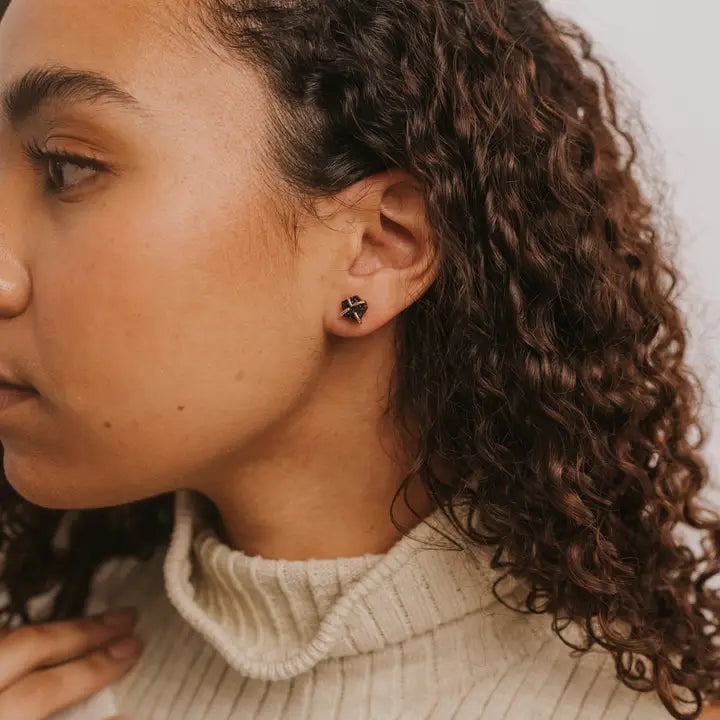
(521, 668)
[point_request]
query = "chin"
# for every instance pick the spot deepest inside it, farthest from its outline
(50, 499)
(41, 495)
(58, 487)
(41, 488)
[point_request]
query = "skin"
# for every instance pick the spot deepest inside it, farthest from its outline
(174, 337)
(51, 666)
(151, 307)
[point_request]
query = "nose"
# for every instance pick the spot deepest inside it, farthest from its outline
(14, 281)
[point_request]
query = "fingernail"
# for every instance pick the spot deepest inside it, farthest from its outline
(124, 648)
(120, 617)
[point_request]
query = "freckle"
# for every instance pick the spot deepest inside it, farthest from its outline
(240, 375)
(181, 407)
(107, 424)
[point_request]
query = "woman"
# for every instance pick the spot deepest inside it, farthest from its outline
(348, 329)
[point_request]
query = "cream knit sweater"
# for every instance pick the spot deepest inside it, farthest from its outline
(411, 634)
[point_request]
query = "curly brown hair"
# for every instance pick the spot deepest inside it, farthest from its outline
(544, 365)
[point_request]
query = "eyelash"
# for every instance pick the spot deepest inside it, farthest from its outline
(40, 157)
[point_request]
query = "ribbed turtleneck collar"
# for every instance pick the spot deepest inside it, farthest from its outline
(274, 619)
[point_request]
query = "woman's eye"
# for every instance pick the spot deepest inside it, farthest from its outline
(64, 174)
(63, 171)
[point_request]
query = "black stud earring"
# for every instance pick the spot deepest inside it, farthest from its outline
(354, 307)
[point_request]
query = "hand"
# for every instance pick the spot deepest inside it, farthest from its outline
(50, 666)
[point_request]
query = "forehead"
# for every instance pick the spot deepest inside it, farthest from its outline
(143, 46)
(104, 34)
(150, 48)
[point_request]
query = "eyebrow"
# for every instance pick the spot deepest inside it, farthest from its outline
(25, 96)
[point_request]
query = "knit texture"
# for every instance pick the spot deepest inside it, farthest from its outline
(409, 634)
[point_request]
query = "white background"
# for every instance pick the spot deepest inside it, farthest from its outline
(668, 58)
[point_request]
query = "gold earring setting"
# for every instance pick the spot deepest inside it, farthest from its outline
(354, 308)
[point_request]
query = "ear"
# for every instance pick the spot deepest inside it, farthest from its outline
(392, 259)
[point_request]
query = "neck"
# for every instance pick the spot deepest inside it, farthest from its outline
(321, 483)
(286, 512)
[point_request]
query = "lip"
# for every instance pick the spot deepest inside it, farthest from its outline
(13, 394)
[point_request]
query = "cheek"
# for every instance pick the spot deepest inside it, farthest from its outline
(143, 291)
(159, 356)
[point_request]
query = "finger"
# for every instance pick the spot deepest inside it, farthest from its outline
(43, 692)
(31, 647)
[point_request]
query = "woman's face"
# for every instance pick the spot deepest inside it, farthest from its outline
(156, 305)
